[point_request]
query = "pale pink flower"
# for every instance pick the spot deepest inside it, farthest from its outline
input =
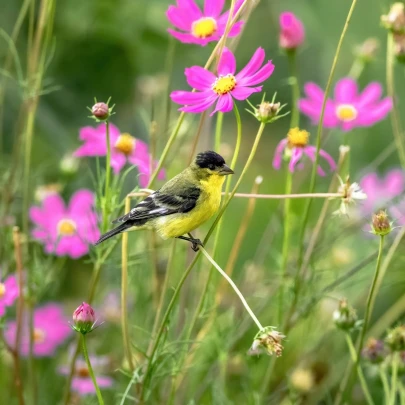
(349, 108)
(224, 87)
(292, 31)
(66, 231)
(8, 293)
(201, 27)
(51, 329)
(82, 382)
(124, 147)
(294, 147)
(381, 190)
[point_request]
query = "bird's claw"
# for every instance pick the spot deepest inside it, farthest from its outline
(195, 243)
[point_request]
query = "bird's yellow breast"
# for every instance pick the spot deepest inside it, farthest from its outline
(171, 226)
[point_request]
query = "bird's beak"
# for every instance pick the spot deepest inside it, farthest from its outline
(225, 170)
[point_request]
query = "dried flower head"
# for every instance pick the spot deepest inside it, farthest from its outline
(350, 192)
(395, 339)
(345, 317)
(267, 111)
(374, 351)
(268, 341)
(381, 224)
(395, 19)
(399, 47)
(84, 319)
(366, 51)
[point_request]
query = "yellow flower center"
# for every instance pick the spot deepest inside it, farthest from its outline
(125, 143)
(224, 84)
(2, 290)
(297, 138)
(82, 372)
(66, 227)
(346, 112)
(204, 27)
(39, 335)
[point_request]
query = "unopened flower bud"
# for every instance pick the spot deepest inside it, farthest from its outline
(381, 224)
(367, 50)
(345, 317)
(395, 19)
(374, 351)
(84, 319)
(395, 339)
(292, 33)
(100, 111)
(267, 112)
(268, 341)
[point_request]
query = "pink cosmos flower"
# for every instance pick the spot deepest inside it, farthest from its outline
(349, 109)
(292, 31)
(66, 231)
(201, 27)
(381, 190)
(224, 87)
(124, 147)
(295, 146)
(8, 293)
(81, 382)
(51, 329)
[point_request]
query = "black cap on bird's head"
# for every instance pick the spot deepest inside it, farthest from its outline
(213, 162)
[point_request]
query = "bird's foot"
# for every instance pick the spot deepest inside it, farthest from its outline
(195, 243)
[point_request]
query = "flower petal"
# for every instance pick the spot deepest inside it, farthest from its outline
(227, 63)
(189, 38)
(278, 153)
(370, 94)
(224, 104)
(295, 158)
(314, 92)
(260, 76)
(190, 7)
(346, 91)
(253, 65)
(179, 19)
(374, 113)
(212, 8)
(202, 106)
(190, 98)
(242, 93)
(118, 161)
(199, 78)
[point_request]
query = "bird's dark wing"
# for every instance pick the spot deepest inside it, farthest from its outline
(160, 204)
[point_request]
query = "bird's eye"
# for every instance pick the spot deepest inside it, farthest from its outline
(211, 166)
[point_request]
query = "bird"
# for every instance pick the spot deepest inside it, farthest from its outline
(182, 204)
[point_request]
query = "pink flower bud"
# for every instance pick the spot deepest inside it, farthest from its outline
(292, 31)
(84, 318)
(100, 111)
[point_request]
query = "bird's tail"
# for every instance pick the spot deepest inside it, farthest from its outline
(113, 232)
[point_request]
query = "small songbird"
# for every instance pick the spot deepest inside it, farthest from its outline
(182, 204)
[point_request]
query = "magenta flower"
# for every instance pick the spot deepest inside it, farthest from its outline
(66, 231)
(349, 109)
(381, 190)
(82, 383)
(224, 87)
(294, 147)
(124, 147)
(8, 293)
(51, 329)
(201, 27)
(292, 31)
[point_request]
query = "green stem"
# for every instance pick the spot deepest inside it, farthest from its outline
(354, 357)
(106, 204)
(394, 378)
(286, 246)
(91, 372)
(395, 119)
(357, 69)
(218, 131)
(385, 384)
(292, 61)
(319, 133)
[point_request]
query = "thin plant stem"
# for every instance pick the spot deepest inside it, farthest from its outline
(218, 131)
(197, 137)
(91, 372)
(401, 392)
(372, 291)
(394, 378)
(384, 381)
(357, 69)
(319, 133)
(286, 246)
(124, 293)
(106, 200)
(19, 317)
(354, 357)
(395, 118)
(233, 285)
(292, 62)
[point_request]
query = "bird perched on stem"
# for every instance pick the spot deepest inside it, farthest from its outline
(182, 204)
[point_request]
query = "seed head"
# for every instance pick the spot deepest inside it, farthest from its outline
(374, 351)
(381, 224)
(367, 50)
(345, 317)
(395, 19)
(84, 319)
(395, 339)
(268, 341)
(267, 111)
